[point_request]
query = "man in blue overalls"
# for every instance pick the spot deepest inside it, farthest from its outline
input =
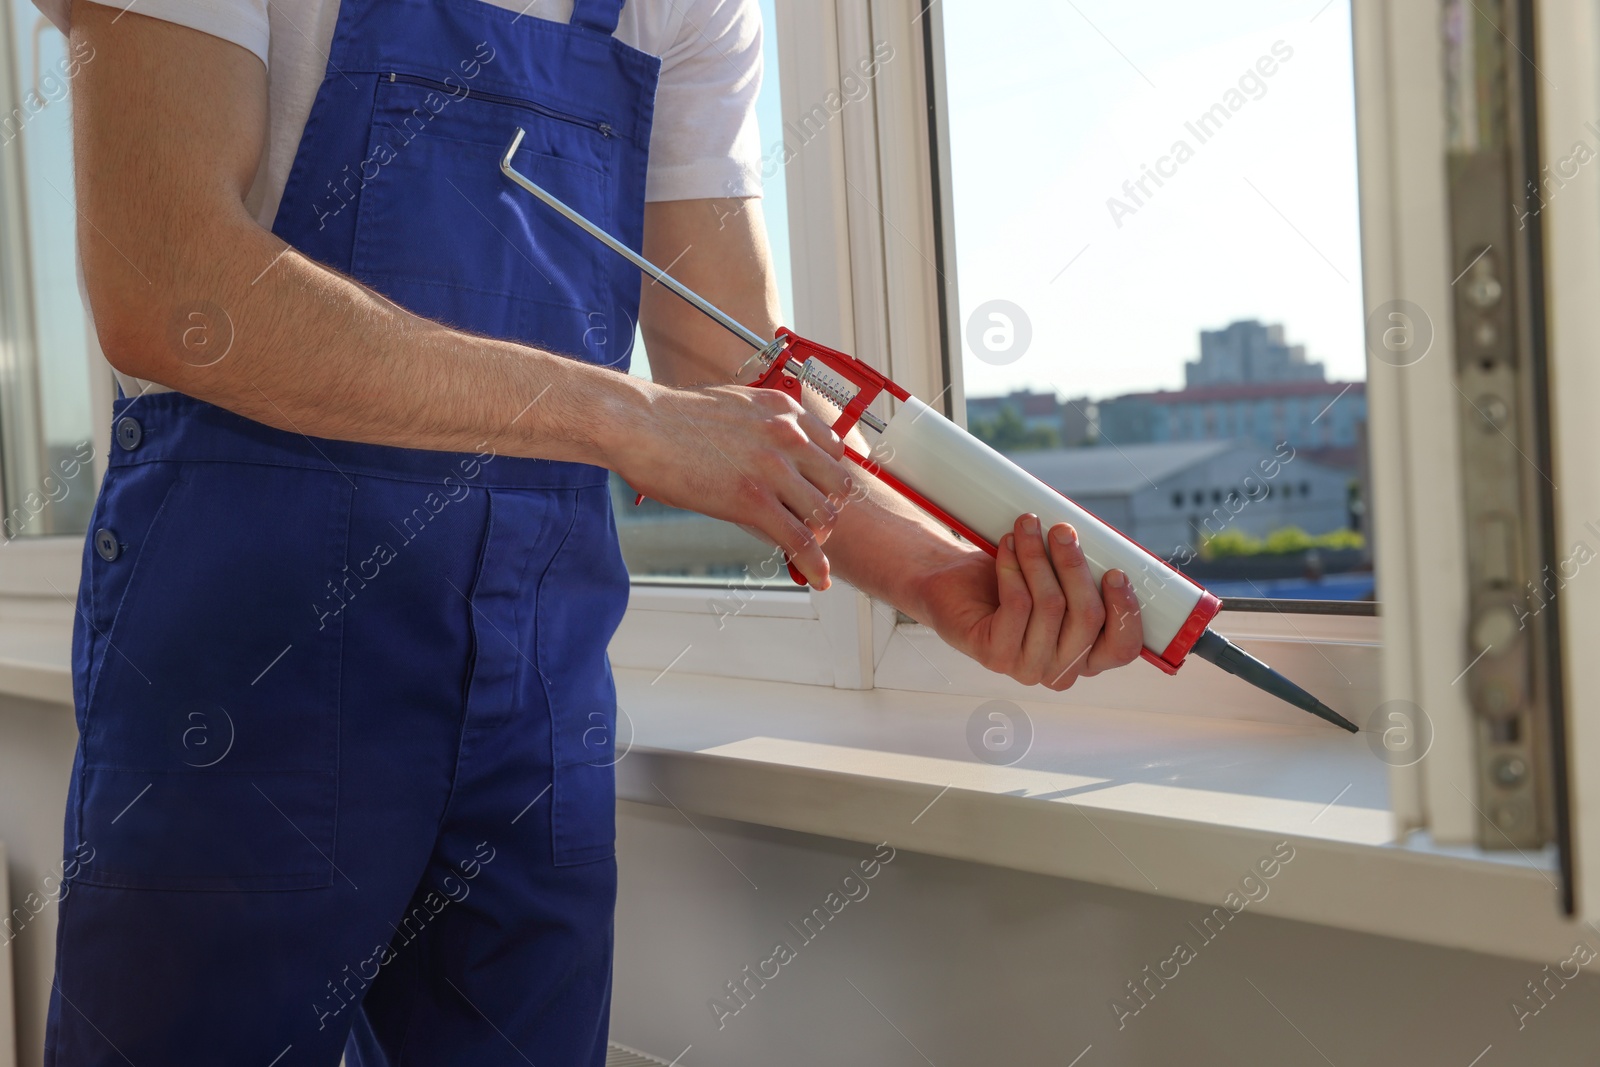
(352, 573)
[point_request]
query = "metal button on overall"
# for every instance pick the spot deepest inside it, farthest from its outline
(129, 433)
(105, 543)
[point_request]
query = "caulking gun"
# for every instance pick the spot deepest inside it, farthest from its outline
(965, 484)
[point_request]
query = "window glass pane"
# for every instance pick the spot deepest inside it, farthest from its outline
(50, 488)
(667, 543)
(1158, 256)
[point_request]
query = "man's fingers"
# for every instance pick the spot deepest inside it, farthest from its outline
(803, 441)
(820, 432)
(1077, 580)
(831, 476)
(799, 543)
(1085, 612)
(1123, 634)
(808, 504)
(1049, 603)
(1009, 623)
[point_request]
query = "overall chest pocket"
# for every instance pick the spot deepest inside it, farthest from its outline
(443, 233)
(209, 691)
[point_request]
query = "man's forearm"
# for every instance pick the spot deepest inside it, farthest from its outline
(314, 352)
(890, 549)
(167, 244)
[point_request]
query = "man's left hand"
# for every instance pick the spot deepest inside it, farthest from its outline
(1035, 612)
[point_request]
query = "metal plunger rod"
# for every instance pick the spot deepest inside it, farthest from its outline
(722, 318)
(816, 378)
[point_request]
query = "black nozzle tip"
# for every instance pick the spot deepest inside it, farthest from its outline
(1215, 648)
(1337, 719)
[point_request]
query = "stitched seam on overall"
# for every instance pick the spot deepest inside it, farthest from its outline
(499, 146)
(471, 664)
(544, 682)
(358, 226)
(516, 622)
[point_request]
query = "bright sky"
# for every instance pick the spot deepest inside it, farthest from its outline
(1053, 106)
(774, 190)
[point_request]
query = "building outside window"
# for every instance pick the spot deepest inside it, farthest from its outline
(1174, 273)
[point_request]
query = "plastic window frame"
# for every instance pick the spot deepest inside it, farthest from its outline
(1569, 54)
(43, 566)
(871, 277)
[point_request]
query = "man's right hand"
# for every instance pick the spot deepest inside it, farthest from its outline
(750, 456)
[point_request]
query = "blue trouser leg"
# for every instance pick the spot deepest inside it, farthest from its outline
(345, 760)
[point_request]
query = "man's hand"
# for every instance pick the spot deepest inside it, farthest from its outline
(1035, 612)
(750, 456)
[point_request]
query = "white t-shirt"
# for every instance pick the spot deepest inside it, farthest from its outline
(704, 142)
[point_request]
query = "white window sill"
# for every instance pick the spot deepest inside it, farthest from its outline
(1179, 806)
(36, 648)
(38, 590)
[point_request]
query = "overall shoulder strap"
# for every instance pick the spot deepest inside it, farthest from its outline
(601, 15)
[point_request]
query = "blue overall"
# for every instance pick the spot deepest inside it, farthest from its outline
(344, 782)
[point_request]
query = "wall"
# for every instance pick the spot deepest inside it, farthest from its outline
(954, 963)
(36, 744)
(972, 964)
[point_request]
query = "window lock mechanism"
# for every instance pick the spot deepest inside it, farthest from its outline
(1512, 680)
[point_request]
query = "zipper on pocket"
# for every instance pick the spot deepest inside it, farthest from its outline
(602, 128)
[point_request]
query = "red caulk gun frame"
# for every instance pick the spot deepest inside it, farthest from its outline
(791, 364)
